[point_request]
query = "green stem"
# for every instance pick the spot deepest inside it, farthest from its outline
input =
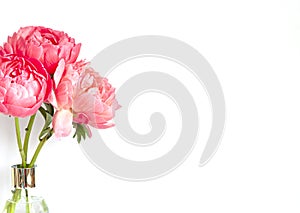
(27, 202)
(38, 149)
(11, 205)
(17, 125)
(27, 136)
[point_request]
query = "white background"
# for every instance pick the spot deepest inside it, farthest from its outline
(254, 48)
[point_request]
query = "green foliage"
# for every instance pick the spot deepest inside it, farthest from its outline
(81, 131)
(47, 114)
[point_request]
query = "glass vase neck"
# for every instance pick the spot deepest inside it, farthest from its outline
(23, 178)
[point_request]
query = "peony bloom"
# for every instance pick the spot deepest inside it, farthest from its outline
(94, 100)
(24, 85)
(65, 79)
(44, 44)
(84, 93)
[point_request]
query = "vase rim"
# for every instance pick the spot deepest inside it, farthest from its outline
(20, 166)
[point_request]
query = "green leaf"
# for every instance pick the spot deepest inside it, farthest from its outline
(47, 114)
(43, 112)
(49, 108)
(81, 131)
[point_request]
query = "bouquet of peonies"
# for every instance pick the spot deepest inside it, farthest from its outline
(39, 71)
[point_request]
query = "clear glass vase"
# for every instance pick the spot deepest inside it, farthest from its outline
(24, 199)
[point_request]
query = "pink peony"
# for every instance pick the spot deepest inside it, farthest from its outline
(65, 79)
(94, 100)
(47, 45)
(24, 85)
(84, 93)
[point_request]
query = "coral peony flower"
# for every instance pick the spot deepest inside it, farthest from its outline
(94, 100)
(83, 92)
(24, 85)
(65, 79)
(47, 45)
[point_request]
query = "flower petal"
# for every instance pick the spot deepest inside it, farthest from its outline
(62, 123)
